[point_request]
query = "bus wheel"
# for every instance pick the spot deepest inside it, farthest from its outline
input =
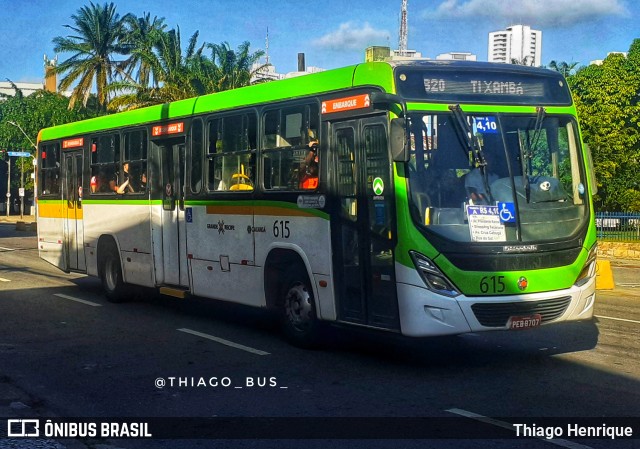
(111, 277)
(299, 322)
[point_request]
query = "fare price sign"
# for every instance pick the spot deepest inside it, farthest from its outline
(485, 224)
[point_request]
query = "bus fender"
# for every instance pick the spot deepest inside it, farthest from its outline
(281, 259)
(104, 242)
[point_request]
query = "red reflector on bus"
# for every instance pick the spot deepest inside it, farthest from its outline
(44, 155)
(244, 262)
(323, 283)
(189, 256)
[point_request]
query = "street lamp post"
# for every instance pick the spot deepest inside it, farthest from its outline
(35, 178)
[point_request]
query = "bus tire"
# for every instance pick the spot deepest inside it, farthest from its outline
(300, 324)
(111, 276)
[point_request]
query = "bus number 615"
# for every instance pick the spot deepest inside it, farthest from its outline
(495, 284)
(281, 229)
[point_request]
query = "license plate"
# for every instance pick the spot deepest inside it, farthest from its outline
(525, 322)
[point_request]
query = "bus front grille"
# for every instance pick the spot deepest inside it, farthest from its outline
(498, 314)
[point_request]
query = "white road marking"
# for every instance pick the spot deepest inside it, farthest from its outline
(83, 301)
(7, 249)
(509, 426)
(617, 319)
(224, 342)
(5, 280)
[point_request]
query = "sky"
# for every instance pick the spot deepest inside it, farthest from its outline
(334, 33)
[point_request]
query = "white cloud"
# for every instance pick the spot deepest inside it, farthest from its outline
(556, 13)
(352, 36)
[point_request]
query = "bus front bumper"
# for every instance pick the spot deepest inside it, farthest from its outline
(424, 313)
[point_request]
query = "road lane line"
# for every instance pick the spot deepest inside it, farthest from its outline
(83, 301)
(2, 248)
(224, 342)
(617, 319)
(5, 280)
(509, 426)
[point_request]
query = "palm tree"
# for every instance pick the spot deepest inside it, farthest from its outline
(176, 75)
(233, 69)
(567, 69)
(143, 34)
(99, 35)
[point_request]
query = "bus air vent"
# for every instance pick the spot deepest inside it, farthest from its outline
(497, 314)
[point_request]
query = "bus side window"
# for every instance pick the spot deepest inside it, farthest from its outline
(232, 143)
(105, 163)
(135, 154)
(50, 169)
(288, 133)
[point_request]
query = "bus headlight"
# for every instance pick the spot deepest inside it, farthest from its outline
(433, 278)
(589, 269)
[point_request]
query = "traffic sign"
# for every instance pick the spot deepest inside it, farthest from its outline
(19, 153)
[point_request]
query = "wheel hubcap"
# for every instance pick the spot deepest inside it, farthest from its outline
(298, 306)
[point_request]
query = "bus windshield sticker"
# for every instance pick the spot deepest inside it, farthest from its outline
(485, 125)
(378, 186)
(346, 104)
(507, 212)
(485, 225)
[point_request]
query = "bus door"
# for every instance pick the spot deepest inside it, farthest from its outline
(72, 206)
(363, 225)
(174, 238)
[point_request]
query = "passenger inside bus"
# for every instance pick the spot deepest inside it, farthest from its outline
(126, 184)
(308, 171)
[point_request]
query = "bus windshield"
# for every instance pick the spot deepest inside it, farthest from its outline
(496, 177)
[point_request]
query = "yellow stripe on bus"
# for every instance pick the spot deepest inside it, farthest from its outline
(58, 210)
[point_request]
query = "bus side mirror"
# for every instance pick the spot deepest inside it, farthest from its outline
(398, 140)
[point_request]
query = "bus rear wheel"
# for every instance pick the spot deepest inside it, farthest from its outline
(111, 277)
(299, 321)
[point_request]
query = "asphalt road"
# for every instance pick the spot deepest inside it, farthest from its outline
(70, 353)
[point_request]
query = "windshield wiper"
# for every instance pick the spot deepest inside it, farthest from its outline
(529, 149)
(472, 143)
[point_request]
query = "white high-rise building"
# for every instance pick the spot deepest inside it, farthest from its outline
(517, 42)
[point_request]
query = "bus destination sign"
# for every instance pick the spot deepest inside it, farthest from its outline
(491, 86)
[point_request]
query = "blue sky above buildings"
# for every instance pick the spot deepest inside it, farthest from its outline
(335, 33)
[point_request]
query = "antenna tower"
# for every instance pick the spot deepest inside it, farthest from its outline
(267, 46)
(402, 35)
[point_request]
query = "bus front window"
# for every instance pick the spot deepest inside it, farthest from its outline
(525, 170)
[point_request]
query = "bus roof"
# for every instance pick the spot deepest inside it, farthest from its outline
(378, 74)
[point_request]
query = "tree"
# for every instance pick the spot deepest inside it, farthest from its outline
(178, 74)
(233, 69)
(99, 37)
(30, 114)
(607, 100)
(142, 35)
(565, 68)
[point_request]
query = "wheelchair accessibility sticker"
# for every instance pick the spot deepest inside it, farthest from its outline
(507, 212)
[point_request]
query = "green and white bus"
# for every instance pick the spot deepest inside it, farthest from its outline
(450, 198)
